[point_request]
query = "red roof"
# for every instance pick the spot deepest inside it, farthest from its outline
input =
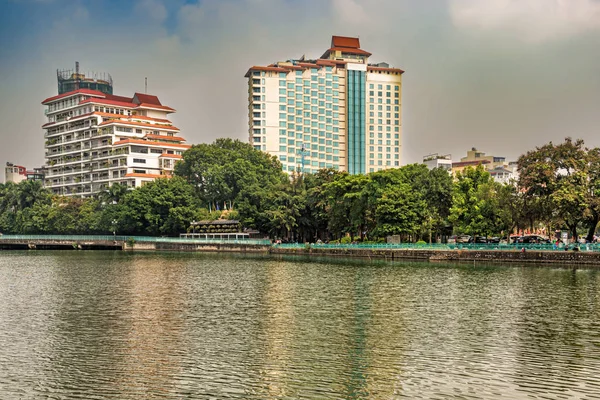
(148, 142)
(344, 41)
(136, 175)
(178, 156)
(164, 137)
(134, 123)
(266, 69)
(118, 98)
(109, 102)
(155, 106)
(131, 117)
(74, 92)
(140, 98)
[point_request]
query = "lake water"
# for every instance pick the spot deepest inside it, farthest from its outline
(116, 325)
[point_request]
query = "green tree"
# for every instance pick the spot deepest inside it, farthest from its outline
(162, 207)
(475, 208)
(559, 180)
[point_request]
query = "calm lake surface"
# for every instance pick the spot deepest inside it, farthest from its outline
(98, 325)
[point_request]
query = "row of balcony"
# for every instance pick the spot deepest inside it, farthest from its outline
(83, 179)
(87, 168)
(78, 159)
(78, 147)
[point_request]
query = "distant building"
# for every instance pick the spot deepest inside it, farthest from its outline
(17, 173)
(502, 175)
(459, 166)
(492, 161)
(500, 170)
(435, 160)
(338, 111)
(14, 173)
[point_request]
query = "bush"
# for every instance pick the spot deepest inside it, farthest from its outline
(421, 242)
(346, 240)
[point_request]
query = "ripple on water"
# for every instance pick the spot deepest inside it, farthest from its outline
(96, 325)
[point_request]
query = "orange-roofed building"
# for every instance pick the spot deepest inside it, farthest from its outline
(338, 111)
(95, 139)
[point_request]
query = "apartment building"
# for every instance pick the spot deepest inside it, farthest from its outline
(338, 111)
(17, 173)
(95, 139)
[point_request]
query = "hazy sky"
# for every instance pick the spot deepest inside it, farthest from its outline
(501, 75)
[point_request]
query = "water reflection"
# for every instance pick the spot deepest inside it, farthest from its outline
(139, 326)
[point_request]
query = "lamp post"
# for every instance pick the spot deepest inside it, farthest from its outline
(194, 223)
(114, 225)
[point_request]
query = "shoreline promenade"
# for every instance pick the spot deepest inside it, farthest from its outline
(533, 254)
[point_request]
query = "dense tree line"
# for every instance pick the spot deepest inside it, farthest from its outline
(559, 188)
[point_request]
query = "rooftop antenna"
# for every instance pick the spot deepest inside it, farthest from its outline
(146, 85)
(76, 75)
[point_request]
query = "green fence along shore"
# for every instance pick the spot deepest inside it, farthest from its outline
(588, 254)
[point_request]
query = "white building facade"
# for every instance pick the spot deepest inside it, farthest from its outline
(95, 139)
(336, 112)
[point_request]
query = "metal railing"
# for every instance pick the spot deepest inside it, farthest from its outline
(123, 238)
(266, 242)
(448, 246)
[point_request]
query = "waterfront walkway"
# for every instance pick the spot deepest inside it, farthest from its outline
(588, 254)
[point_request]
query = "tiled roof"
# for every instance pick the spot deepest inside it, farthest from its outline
(178, 156)
(151, 143)
(164, 137)
(74, 92)
(155, 106)
(345, 41)
(266, 69)
(118, 98)
(136, 175)
(139, 100)
(146, 98)
(128, 117)
(154, 126)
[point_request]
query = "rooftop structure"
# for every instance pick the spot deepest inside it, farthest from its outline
(476, 155)
(94, 139)
(502, 174)
(17, 173)
(436, 160)
(338, 111)
(70, 80)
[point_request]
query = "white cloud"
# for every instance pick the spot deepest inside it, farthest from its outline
(532, 20)
(155, 9)
(351, 11)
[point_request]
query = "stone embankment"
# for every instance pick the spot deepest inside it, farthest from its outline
(567, 258)
(468, 256)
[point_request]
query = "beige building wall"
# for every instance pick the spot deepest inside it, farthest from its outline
(384, 120)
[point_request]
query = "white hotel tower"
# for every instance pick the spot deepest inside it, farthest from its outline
(95, 139)
(337, 111)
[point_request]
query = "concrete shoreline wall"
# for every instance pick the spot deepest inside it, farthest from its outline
(567, 258)
(488, 256)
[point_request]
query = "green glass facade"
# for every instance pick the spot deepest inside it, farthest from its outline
(356, 135)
